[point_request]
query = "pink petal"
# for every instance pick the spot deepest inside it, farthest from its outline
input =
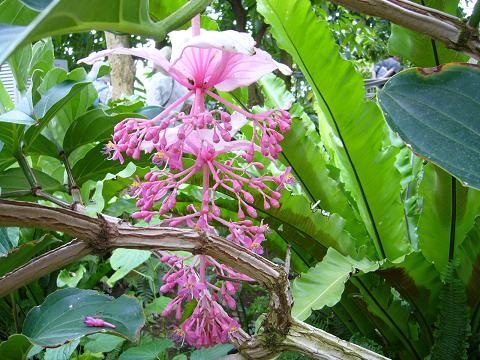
(244, 70)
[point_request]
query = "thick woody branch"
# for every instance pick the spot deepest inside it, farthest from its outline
(280, 331)
(448, 29)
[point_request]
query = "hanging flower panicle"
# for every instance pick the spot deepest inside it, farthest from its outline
(203, 60)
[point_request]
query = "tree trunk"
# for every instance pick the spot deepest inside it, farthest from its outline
(122, 76)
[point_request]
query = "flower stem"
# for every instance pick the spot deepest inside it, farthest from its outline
(196, 25)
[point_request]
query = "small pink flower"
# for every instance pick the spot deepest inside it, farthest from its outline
(95, 322)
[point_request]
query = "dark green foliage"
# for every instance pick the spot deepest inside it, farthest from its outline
(452, 326)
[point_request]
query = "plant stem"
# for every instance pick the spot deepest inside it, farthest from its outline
(27, 170)
(14, 313)
(474, 19)
(72, 184)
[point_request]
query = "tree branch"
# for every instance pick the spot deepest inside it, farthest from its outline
(450, 30)
(280, 331)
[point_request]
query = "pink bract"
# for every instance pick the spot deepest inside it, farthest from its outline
(207, 143)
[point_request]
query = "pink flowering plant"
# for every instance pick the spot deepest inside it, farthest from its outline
(201, 61)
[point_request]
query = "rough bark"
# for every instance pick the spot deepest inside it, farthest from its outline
(122, 76)
(450, 30)
(280, 331)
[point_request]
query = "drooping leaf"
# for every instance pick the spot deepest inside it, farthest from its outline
(421, 49)
(435, 111)
(147, 351)
(352, 129)
(125, 260)
(323, 284)
(60, 318)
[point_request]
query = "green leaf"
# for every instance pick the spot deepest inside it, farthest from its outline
(157, 305)
(60, 318)
(437, 237)
(69, 278)
(323, 284)
(421, 49)
(147, 351)
(303, 151)
(100, 343)
(14, 179)
(37, 5)
(94, 166)
(124, 261)
(17, 117)
(62, 352)
(6, 103)
(8, 239)
(19, 63)
(446, 132)
(94, 125)
(15, 348)
(352, 129)
(212, 353)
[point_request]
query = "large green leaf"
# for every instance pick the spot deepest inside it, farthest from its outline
(211, 353)
(445, 220)
(60, 318)
(303, 151)
(323, 284)
(419, 48)
(15, 348)
(436, 113)
(65, 16)
(393, 315)
(354, 130)
(94, 125)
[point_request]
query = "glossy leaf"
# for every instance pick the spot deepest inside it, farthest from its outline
(438, 240)
(323, 284)
(94, 125)
(435, 111)
(352, 129)
(303, 151)
(15, 348)
(60, 318)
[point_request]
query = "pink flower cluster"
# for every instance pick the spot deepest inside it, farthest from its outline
(208, 143)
